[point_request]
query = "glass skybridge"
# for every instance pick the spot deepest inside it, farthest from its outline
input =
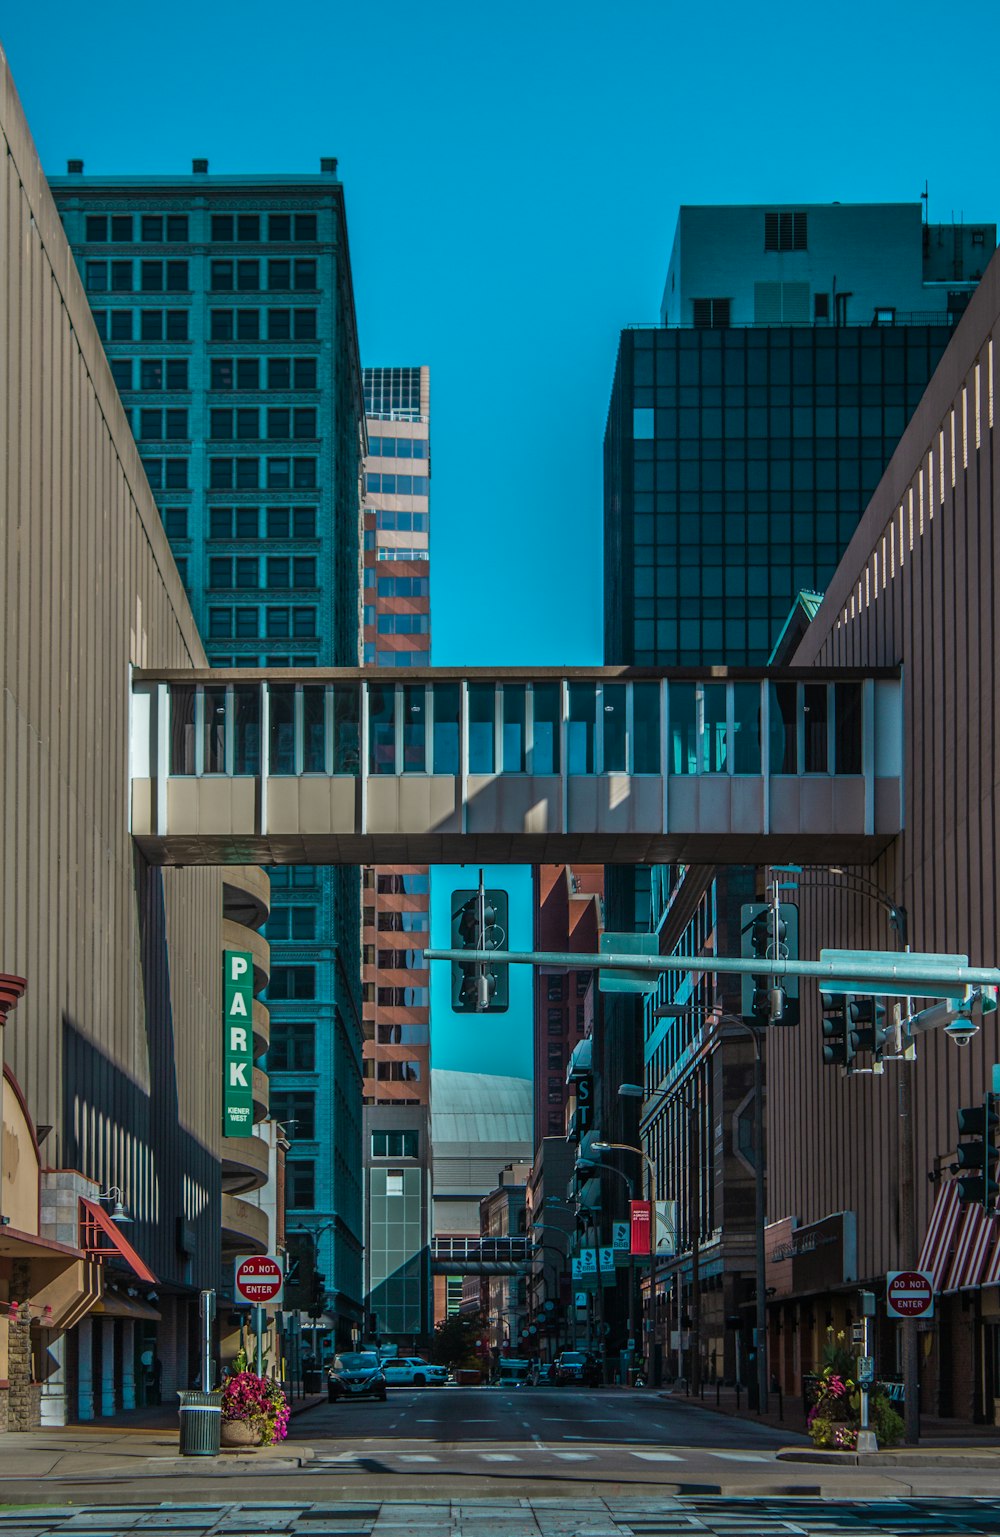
(724, 766)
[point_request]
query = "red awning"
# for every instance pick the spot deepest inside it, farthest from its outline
(94, 1221)
(940, 1231)
(991, 1270)
(972, 1246)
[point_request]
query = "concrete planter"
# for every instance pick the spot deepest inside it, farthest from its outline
(237, 1433)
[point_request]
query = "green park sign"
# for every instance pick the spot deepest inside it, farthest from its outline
(237, 1085)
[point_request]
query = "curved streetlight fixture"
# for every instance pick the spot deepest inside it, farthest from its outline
(118, 1212)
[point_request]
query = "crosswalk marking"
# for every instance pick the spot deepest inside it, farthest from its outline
(574, 1456)
(657, 1456)
(416, 1457)
(499, 1457)
(744, 1456)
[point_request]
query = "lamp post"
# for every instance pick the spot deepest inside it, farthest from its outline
(663, 1097)
(635, 1318)
(605, 1147)
(898, 920)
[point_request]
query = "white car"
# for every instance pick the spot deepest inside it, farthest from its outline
(413, 1372)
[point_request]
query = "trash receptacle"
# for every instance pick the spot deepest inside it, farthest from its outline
(312, 1381)
(201, 1423)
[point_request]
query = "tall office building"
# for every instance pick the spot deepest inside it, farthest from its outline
(745, 436)
(227, 314)
(568, 915)
(396, 900)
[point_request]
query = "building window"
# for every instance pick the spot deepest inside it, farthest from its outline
(885, 315)
(821, 306)
(295, 1110)
(785, 232)
(395, 1144)
(291, 981)
(555, 1056)
(291, 923)
(554, 989)
(175, 522)
(300, 1182)
(398, 1072)
(158, 276)
(394, 1183)
(121, 372)
(712, 314)
(97, 227)
(288, 325)
(292, 1047)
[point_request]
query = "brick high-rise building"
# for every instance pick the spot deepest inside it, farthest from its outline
(567, 916)
(396, 900)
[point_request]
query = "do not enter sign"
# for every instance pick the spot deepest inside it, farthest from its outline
(258, 1279)
(909, 1294)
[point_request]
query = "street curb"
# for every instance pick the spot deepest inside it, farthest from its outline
(914, 1459)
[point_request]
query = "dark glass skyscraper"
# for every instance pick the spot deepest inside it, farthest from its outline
(745, 436)
(737, 464)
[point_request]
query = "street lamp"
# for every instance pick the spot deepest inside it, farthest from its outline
(664, 1096)
(898, 920)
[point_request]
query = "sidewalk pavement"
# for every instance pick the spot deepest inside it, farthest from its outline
(144, 1440)
(935, 1433)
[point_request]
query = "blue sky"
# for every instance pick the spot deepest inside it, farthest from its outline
(513, 175)
(482, 1043)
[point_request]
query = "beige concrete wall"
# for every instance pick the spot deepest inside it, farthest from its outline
(115, 1049)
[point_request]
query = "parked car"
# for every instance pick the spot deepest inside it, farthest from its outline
(544, 1374)
(356, 1375)
(575, 1366)
(413, 1372)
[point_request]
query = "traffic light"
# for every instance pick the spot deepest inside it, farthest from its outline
(868, 1029)
(767, 935)
(979, 1123)
(838, 1048)
(479, 925)
(317, 1298)
(300, 1268)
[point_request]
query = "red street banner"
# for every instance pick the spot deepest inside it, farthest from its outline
(641, 1218)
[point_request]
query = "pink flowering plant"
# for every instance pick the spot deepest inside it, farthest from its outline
(259, 1402)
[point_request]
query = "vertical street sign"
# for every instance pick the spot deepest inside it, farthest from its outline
(606, 1265)
(666, 1227)
(620, 1236)
(237, 1051)
(641, 1227)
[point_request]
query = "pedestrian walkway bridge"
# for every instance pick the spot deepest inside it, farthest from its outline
(508, 1255)
(602, 765)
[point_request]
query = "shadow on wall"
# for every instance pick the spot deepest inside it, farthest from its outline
(122, 1134)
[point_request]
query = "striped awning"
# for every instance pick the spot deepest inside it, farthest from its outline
(991, 1271)
(973, 1243)
(936, 1250)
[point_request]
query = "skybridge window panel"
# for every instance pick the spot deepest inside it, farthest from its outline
(381, 729)
(615, 728)
(246, 730)
(545, 712)
(182, 728)
(414, 728)
(815, 706)
(482, 728)
(746, 728)
(282, 728)
(783, 721)
(645, 728)
(847, 717)
(713, 729)
(346, 728)
(514, 728)
(214, 729)
(446, 736)
(683, 729)
(314, 729)
(581, 735)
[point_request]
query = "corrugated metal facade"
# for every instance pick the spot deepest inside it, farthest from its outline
(117, 1042)
(917, 585)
